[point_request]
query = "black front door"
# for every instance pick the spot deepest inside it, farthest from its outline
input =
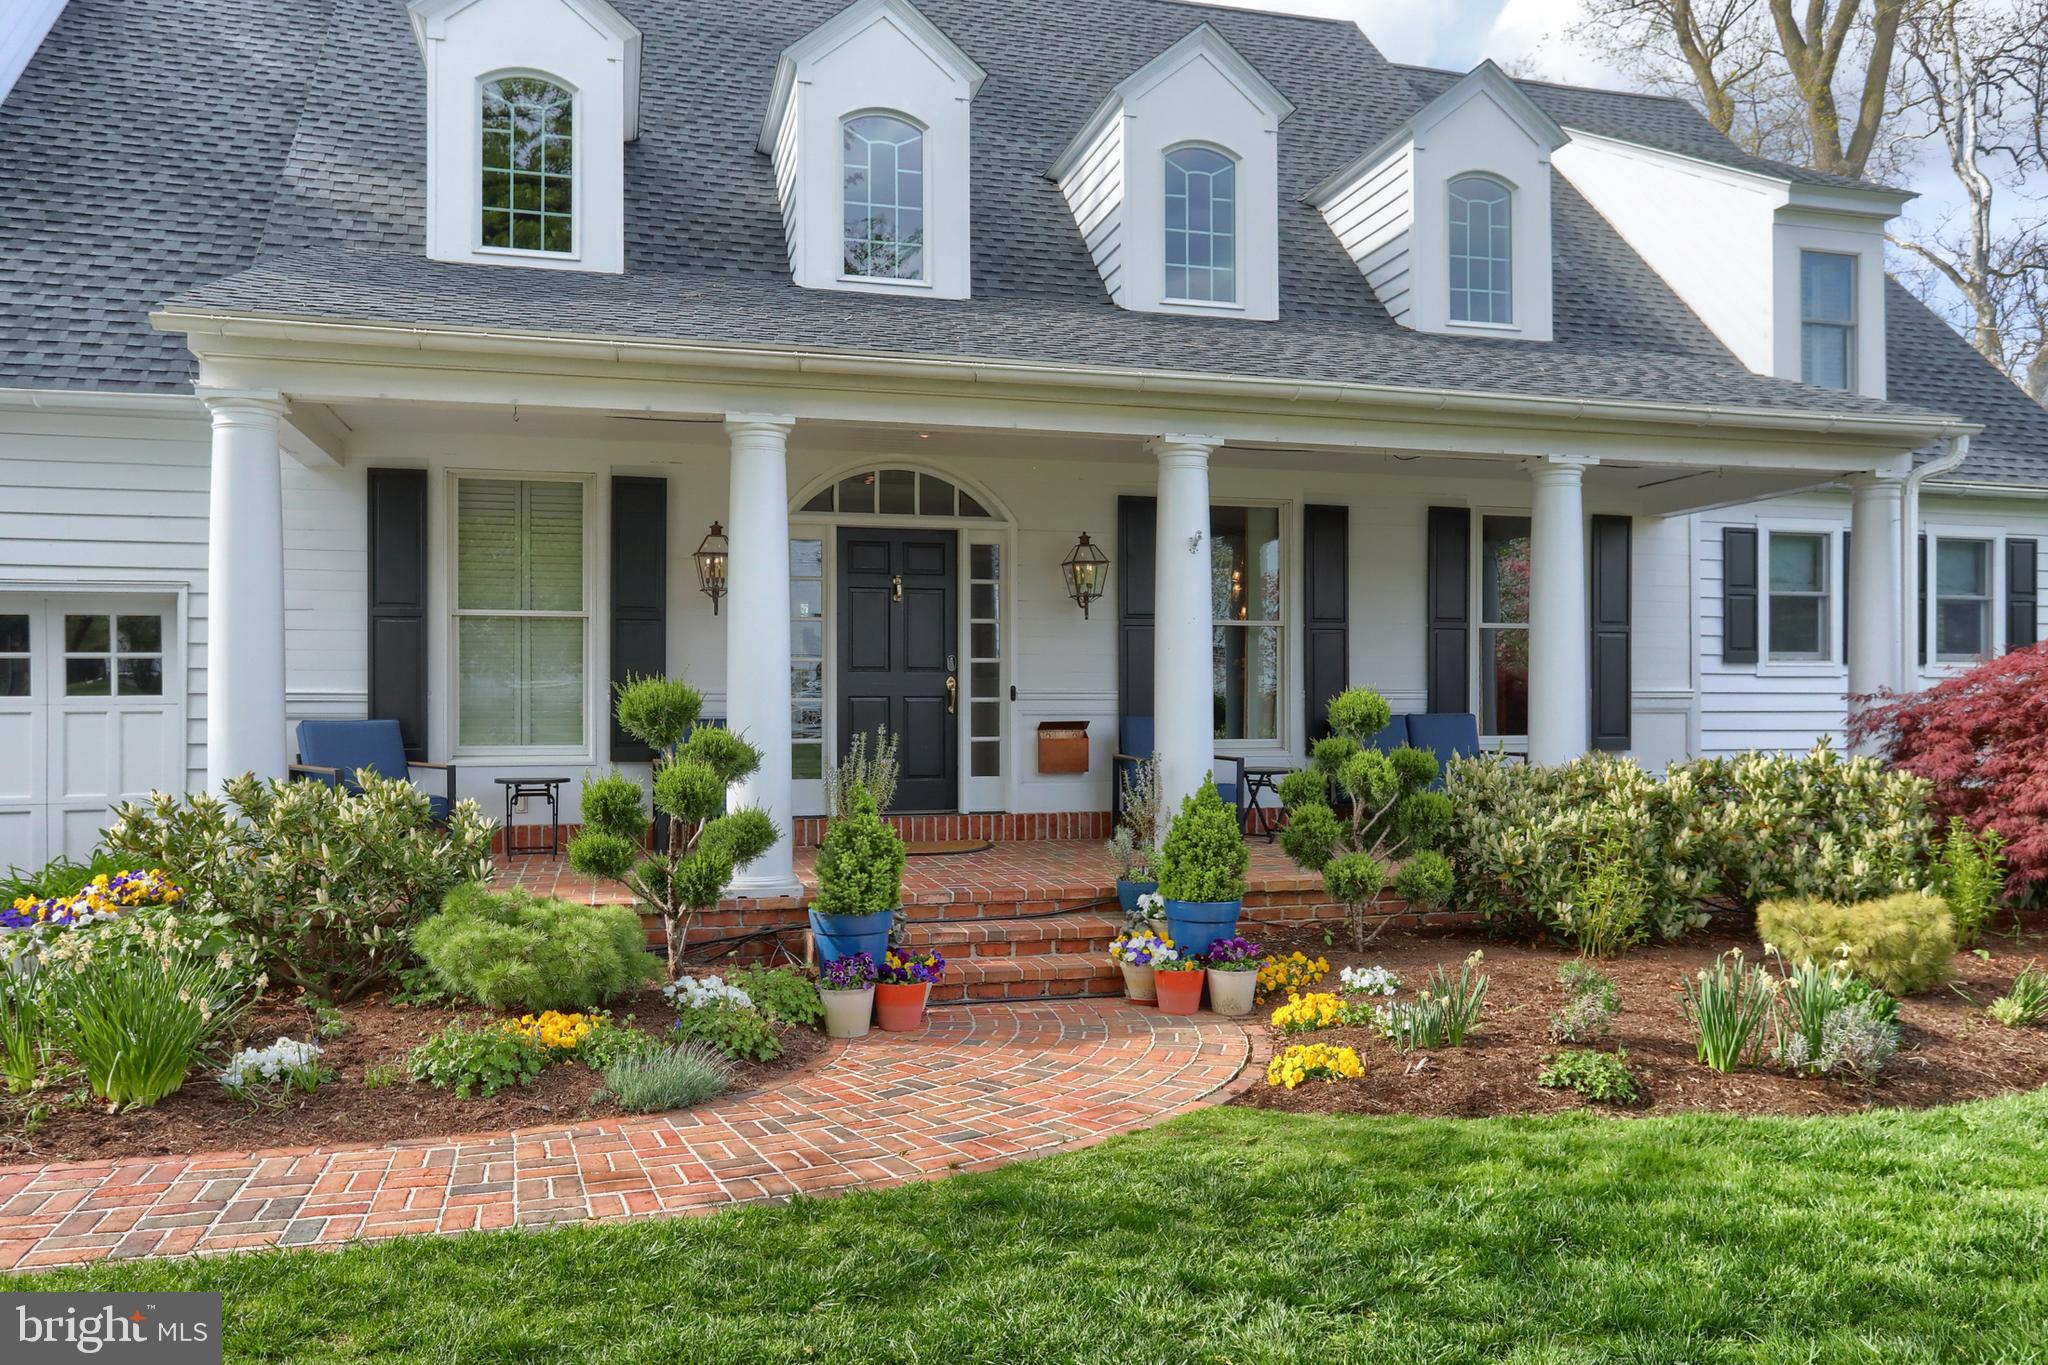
(898, 647)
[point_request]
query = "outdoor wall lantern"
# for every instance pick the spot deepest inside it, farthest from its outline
(1086, 570)
(711, 554)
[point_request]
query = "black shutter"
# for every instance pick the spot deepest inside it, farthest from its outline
(2022, 593)
(1609, 621)
(398, 603)
(1921, 629)
(639, 594)
(1449, 609)
(1326, 652)
(1846, 581)
(1137, 533)
(1738, 595)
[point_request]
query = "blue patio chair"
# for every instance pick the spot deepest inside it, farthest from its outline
(332, 751)
(1393, 736)
(1134, 744)
(1447, 734)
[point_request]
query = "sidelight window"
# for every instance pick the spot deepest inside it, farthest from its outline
(807, 658)
(1246, 635)
(1504, 626)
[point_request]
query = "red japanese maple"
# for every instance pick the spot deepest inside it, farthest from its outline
(1982, 739)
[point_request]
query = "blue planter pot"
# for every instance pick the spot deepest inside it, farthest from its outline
(1127, 893)
(1194, 925)
(844, 935)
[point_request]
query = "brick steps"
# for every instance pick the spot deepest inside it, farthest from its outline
(1029, 976)
(1082, 932)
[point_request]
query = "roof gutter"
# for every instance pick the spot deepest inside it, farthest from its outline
(1909, 555)
(1904, 431)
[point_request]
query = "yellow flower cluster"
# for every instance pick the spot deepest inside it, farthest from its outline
(1289, 974)
(1306, 1013)
(1313, 1062)
(555, 1031)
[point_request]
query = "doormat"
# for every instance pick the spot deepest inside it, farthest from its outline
(942, 848)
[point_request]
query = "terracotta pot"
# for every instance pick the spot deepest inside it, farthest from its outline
(1232, 993)
(899, 1008)
(1138, 987)
(1179, 992)
(847, 1012)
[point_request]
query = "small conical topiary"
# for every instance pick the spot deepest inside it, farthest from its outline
(1204, 857)
(860, 862)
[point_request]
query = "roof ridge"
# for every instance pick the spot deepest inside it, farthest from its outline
(1554, 85)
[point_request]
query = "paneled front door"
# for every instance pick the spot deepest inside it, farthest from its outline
(899, 654)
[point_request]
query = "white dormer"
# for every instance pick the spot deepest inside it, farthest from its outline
(529, 105)
(868, 125)
(1449, 217)
(1174, 184)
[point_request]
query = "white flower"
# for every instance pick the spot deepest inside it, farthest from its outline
(1370, 980)
(284, 1057)
(1151, 902)
(705, 992)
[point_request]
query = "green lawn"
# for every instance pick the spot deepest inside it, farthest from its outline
(1232, 1235)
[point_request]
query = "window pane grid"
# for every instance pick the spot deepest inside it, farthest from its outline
(1201, 226)
(984, 665)
(104, 656)
(896, 492)
(1481, 251)
(14, 654)
(527, 154)
(1827, 319)
(807, 658)
(882, 196)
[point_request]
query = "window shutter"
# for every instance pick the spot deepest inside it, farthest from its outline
(1137, 530)
(1610, 624)
(398, 603)
(1738, 595)
(1326, 649)
(1449, 609)
(1921, 629)
(639, 570)
(2022, 593)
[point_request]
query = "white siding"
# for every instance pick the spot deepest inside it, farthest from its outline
(1374, 219)
(1095, 192)
(787, 181)
(23, 26)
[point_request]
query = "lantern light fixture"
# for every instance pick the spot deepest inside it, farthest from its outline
(712, 553)
(1086, 570)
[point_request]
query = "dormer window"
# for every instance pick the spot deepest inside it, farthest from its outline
(1482, 251)
(528, 160)
(882, 198)
(1201, 226)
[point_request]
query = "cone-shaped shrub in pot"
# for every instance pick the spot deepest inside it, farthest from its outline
(1179, 980)
(904, 986)
(1201, 869)
(847, 986)
(1233, 975)
(860, 882)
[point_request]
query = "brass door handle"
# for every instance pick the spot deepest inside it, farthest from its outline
(896, 583)
(952, 694)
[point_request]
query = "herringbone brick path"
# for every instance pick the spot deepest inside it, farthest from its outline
(977, 1088)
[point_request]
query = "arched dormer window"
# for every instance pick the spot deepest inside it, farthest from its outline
(1481, 248)
(882, 198)
(528, 165)
(1201, 226)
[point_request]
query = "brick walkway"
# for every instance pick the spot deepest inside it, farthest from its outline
(977, 1088)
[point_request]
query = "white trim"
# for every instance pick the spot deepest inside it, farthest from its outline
(476, 170)
(840, 29)
(1203, 41)
(1485, 78)
(430, 24)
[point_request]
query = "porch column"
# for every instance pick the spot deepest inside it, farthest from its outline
(757, 634)
(245, 725)
(1184, 727)
(1558, 686)
(1876, 613)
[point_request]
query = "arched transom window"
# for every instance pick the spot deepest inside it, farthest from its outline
(1482, 251)
(883, 198)
(528, 175)
(1201, 226)
(897, 493)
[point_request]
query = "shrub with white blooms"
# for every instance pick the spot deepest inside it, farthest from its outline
(1370, 980)
(286, 1060)
(706, 992)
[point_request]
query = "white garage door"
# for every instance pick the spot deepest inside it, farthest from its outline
(89, 717)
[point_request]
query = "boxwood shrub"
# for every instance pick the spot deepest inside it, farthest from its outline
(509, 950)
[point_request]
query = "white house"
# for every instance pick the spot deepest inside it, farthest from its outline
(365, 358)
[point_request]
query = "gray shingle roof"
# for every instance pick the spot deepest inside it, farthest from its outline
(1927, 362)
(341, 212)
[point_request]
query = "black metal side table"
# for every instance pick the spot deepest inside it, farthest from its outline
(1263, 777)
(548, 788)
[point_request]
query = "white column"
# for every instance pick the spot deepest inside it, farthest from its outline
(245, 725)
(757, 634)
(1182, 704)
(1559, 694)
(1876, 611)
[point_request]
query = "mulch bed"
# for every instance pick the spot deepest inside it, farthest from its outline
(1950, 1050)
(204, 1117)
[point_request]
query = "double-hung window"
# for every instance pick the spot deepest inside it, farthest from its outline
(1504, 626)
(1245, 639)
(522, 613)
(1962, 600)
(1800, 612)
(1827, 319)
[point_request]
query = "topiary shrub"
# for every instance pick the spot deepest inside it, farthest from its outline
(706, 844)
(1204, 858)
(860, 861)
(1902, 944)
(1391, 814)
(511, 951)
